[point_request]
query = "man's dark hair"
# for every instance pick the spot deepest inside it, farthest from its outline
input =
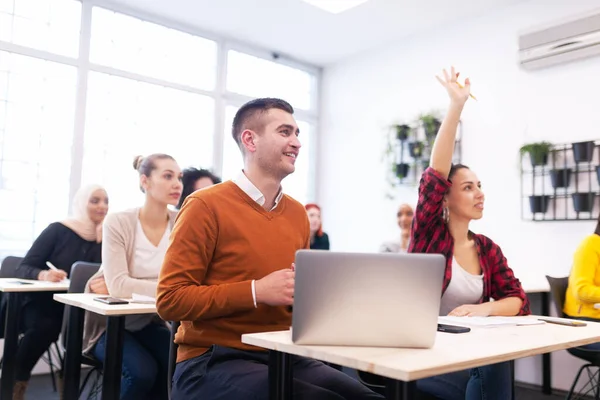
(249, 115)
(190, 176)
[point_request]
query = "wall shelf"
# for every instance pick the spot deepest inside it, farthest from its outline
(402, 151)
(566, 187)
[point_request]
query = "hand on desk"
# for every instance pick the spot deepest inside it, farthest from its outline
(51, 275)
(98, 285)
(277, 288)
(472, 310)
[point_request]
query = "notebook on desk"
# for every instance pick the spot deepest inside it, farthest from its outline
(489, 322)
(367, 299)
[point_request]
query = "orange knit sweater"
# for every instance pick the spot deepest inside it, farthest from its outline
(221, 241)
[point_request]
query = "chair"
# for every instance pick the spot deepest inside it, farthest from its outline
(172, 355)
(81, 272)
(558, 289)
(8, 269)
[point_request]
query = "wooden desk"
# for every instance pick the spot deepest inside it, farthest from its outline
(12, 290)
(451, 352)
(115, 329)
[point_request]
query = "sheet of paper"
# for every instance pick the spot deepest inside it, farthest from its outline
(140, 298)
(489, 322)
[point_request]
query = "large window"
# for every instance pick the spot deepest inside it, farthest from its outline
(256, 77)
(49, 25)
(77, 103)
(36, 131)
(298, 185)
(126, 118)
(152, 50)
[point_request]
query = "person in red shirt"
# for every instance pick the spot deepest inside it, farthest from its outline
(450, 197)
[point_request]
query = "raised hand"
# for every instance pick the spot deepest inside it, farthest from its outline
(457, 92)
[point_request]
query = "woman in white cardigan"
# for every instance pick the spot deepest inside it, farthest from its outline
(135, 242)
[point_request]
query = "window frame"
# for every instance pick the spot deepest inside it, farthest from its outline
(222, 97)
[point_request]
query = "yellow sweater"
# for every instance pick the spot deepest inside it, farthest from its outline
(584, 282)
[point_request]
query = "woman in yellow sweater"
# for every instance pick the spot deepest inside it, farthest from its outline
(584, 282)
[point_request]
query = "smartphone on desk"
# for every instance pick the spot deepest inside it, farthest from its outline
(453, 328)
(110, 300)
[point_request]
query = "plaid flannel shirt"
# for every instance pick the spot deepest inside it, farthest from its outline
(430, 234)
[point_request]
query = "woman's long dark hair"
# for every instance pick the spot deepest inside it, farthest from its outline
(190, 176)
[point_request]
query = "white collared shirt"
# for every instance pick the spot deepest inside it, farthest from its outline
(252, 191)
(255, 194)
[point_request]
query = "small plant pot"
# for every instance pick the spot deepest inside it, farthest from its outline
(402, 132)
(583, 202)
(539, 204)
(583, 151)
(598, 174)
(402, 170)
(425, 164)
(560, 178)
(432, 129)
(416, 149)
(538, 159)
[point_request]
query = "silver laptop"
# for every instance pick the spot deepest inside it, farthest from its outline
(359, 299)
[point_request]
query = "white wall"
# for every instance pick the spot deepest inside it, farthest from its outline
(364, 95)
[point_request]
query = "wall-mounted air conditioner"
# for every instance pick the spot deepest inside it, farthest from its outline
(561, 42)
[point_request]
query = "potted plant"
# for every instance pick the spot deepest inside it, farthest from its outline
(560, 178)
(583, 151)
(402, 132)
(401, 170)
(416, 149)
(538, 152)
(539, 204)
(583, 202)
(431, 125)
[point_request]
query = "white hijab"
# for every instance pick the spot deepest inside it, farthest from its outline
(80, 222)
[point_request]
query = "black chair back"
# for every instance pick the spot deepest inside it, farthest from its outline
(9, 266)
(81, 272)
(558, 288)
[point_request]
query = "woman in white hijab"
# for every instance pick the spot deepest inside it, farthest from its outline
(61, 244)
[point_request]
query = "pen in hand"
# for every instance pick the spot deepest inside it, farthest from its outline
(460, 85)
(60, 271)
(51, 266)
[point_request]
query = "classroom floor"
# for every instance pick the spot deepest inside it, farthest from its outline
(40, 388)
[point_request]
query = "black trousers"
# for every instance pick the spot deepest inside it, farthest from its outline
(41, 322)
(228, 374)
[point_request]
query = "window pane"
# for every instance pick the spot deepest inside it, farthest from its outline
(130, 44)
(37, 109)
(49, 25)
(257, 77)
(126, 118)
(297, 184)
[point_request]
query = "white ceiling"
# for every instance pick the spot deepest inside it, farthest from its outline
(306, 33)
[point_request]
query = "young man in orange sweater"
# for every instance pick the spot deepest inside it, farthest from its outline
(228, 271)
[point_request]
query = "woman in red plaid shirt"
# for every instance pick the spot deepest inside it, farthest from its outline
(450, 196)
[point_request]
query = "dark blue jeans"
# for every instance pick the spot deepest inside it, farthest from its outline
(490, 382)
(223, 373)
(145, 362)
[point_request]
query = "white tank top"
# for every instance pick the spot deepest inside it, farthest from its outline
(464, 288)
